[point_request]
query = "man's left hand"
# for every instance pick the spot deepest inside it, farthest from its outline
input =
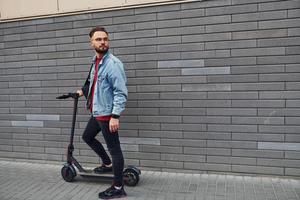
(114, 125)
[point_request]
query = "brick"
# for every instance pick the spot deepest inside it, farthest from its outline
(273, 33)
(258, 120)
(293, 31)
(160, 134)
(158, 72)
(182, 79)
(292, 103)
(183, 142)
(134, 18)
(232, 95)
(160, 149)
(206, 103)
(135, 50)
(206, 20)
(258, 52)
(258, 103)
(279, 95)
(231, 61)
(279, 5)
(231, 9)
(208, 135)
(232, 111)
(277, 42)
(232, 128)
(206, 37)
(157, 40)
(135, 34)
(206, 71)
(257, 153)
(182, 157)
(183, 127)
(279, 129)
(258, 69)
(145, 96)
(183, 95)
(141, 141)
(206, 87)
(158, 88)
(283, 23)
(146, 25)
(206, 119)
(28, 123)
(292, 120)
(164, 164)
(259, 16)
(279, 112)
(292, 155)
(292, 50)
(162, 119)
(207, 151)
(232, 78)
(208, 166)
(143, 81)
(292, 172)
(144, 126)
(244, 26)
(141, 111)
(182, 111)
(179, 14)
(231, 144)
(205, 54)
(292, 138)
(230, 44)
(158, 56)
(231, 160)
(258, 137)
(280, 77)
(278, 162)
(180, 63)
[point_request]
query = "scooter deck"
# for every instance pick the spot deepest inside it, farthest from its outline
(92, 173)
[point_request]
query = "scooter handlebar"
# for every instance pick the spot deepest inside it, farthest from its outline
(69, 95)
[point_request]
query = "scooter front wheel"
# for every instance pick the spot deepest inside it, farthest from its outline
(68, 172)
(131, 177)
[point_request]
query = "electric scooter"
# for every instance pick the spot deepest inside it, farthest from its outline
(130, 174)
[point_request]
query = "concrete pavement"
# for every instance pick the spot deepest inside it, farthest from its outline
(41, 181)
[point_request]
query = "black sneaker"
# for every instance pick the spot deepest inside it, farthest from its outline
(112, 193)
(102, 169)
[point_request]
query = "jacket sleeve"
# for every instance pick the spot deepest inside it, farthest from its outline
(120, 93)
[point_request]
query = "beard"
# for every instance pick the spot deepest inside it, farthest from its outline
(102, 49)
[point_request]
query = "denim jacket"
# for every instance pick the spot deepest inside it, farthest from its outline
(110, 92)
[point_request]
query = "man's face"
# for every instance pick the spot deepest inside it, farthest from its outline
(99, 42)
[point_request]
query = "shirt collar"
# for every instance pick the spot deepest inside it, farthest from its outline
(104, 56)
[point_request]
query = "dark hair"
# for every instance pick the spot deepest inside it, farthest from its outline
(95, 29)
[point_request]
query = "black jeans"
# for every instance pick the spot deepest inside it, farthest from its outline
(93, 127)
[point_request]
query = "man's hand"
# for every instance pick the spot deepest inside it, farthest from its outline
(114, 125)
(80, 92)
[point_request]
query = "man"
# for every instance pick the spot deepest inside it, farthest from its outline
(106, 94)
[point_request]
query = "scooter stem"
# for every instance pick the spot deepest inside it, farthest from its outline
(74, 120)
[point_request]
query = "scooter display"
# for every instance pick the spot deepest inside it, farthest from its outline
(131, 174)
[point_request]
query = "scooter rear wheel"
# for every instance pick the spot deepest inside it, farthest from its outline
(131, 177)
(68, 172)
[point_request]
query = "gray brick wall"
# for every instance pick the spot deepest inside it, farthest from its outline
(213, 85)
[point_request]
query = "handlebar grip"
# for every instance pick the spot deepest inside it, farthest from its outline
(69, 95)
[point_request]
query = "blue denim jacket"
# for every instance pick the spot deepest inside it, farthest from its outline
(110, 92)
